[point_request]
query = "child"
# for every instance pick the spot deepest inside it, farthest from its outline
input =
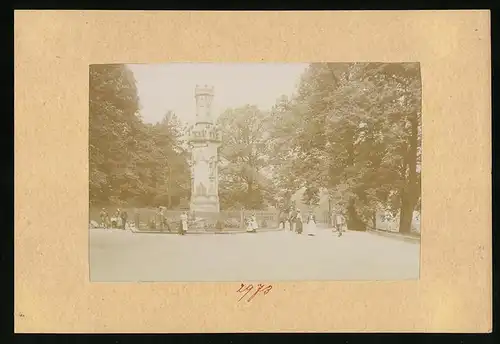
(311, 224)
(249, 225)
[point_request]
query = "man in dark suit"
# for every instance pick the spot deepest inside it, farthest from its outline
(293, 225)
(124, 217)
(137, 219)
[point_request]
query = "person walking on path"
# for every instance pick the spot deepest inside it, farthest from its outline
(103, 215)
(159, 218)
(183, 226)
(255, 225)
(116, 220)
(338, 223)
(249, 224)
(292, 219)
(136, 218)
(311, 224)
(298, 222)
(283, 219)
(124, 217)
(287, 224)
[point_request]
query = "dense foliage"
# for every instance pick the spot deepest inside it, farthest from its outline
(354, 130)
(131, 162)
(244, 156)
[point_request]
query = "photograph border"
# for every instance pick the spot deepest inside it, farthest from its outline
(50, 259)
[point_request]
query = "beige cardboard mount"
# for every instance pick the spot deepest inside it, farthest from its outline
(53, 50)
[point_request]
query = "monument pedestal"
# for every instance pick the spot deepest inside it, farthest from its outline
(205, 204)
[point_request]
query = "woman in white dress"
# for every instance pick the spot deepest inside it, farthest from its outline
(311, 224)
(255, 225)
(249, 225)
(287, 225)
(183, 224)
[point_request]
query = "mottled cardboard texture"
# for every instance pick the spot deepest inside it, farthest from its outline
(53, 50)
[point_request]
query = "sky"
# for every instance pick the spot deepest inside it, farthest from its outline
(164, 87)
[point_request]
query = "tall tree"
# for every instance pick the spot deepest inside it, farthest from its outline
(244, 156)
(173, 166)
(113, 122)
(131, 161)
(357, 135)
(283, 156)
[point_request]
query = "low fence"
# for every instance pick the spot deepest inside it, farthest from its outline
(151, 220)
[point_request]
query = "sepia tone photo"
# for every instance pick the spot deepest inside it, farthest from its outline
(254, 172)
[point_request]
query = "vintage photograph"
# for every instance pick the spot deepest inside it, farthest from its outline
(214, 172)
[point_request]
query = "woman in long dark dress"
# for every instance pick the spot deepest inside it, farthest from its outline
(293, 221)
(298, 222)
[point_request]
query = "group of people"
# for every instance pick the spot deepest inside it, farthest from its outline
(251, 224)
(117, 220)
(295, 222)
(163, 223)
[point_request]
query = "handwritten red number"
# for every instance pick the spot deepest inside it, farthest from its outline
(267, 289)
(247, 289)
(260, 288)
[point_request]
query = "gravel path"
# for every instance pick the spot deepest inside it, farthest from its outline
(123, 256)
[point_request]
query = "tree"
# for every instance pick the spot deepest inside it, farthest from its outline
(311, 196)
(113, 122)
(244, 156)
(171, 167)
(283, 153)
(131, 161)
(354, 130)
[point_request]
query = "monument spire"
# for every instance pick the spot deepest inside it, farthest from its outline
(204, 96)
(204, 138)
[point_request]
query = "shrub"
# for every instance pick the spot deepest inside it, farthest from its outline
(232, 223)
(209, 224)
(198, 225)
(263, 224)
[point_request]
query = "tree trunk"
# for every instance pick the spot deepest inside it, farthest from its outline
(249, 201)
(354, 222)
(406, 214)
(169, 188)
(410, 194)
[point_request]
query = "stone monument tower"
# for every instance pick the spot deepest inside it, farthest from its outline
(204, 139)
